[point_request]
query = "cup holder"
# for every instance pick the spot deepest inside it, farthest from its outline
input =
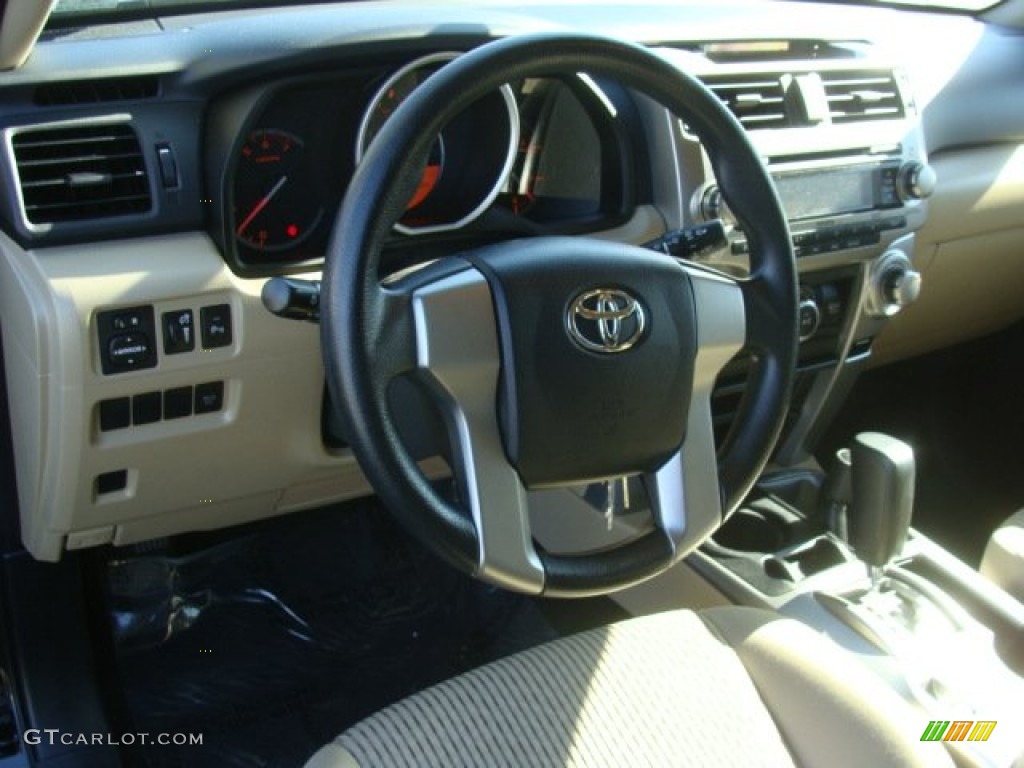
(761, 527)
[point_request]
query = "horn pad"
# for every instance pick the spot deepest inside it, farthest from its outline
(598, 343)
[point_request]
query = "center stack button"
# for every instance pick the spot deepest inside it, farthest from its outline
(809, 315)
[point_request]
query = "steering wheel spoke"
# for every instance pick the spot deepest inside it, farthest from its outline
(457, 357)
(393, 344)
(764, 321)
(685, 493)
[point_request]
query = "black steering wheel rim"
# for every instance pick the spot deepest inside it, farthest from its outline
(361, 340)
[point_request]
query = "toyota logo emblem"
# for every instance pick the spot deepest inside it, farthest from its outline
(605, 320)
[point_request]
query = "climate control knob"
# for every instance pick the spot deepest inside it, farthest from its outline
(901, 287)
(894, 283)
(916, 181)
(809, 316)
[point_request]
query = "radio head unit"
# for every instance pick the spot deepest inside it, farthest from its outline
(842, 138)
(835, 191)
(839, 204)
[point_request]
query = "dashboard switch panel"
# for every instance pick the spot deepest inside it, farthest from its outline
(126, 339)
(216, 326)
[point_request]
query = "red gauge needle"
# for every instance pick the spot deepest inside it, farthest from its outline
(264, 201)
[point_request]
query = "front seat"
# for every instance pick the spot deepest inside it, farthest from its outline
(1003, 561)
(726, 686)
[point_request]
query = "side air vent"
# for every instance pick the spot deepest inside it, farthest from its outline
(758, 101)
(857, 96)
(81, 172)
(96, 91)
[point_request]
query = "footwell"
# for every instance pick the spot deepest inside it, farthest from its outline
(270, 644)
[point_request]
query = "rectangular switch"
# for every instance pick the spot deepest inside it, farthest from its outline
(216, 325)
(209, 397)
(179, 331)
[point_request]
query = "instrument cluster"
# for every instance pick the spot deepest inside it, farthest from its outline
(536, 156)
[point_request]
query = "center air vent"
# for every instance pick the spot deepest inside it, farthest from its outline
(857, 96)
(758, 101)
(81, 172)
(94, 91)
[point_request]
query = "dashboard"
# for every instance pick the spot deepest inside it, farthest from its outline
(157, 173)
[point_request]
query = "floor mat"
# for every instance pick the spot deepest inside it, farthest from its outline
(272, 643)
(962, 410)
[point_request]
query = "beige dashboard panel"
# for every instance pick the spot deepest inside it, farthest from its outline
(970, 253)
(258, 455)
(198, 472)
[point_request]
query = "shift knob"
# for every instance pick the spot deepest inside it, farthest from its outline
(882, 497)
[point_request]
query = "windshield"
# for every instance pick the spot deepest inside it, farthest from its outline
(67, 8)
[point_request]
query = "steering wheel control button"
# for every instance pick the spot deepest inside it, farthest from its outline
(179, 331)
(209, 397)
(115, 414)
(147, 408)
(606, 320)
(178, 403)
(126, 339)
(216, 326)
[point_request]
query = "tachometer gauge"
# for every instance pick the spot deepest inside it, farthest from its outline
(469, 160)
(274, 208)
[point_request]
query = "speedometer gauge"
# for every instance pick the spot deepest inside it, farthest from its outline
(273, 206)
(469, 160)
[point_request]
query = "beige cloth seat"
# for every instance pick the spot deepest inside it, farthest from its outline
(724, 687)
(1003, 561)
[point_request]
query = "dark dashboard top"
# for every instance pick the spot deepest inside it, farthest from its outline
(203, 85)
(239, 44)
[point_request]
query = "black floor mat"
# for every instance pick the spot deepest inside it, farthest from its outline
(962, 410)
(296, 631)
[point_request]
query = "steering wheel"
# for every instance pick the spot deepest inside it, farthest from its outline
(558, 360)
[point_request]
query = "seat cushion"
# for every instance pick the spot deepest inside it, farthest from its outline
(662, 690)
(829, 707)
(1003, 561)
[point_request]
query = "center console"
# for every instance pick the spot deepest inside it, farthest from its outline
(843, 142)
(838, 554)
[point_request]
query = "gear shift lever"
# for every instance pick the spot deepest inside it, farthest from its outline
(882, 482)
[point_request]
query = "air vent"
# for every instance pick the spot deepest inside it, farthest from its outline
(858, 96)
(96, 91)
(82, 172)
(758, 101)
